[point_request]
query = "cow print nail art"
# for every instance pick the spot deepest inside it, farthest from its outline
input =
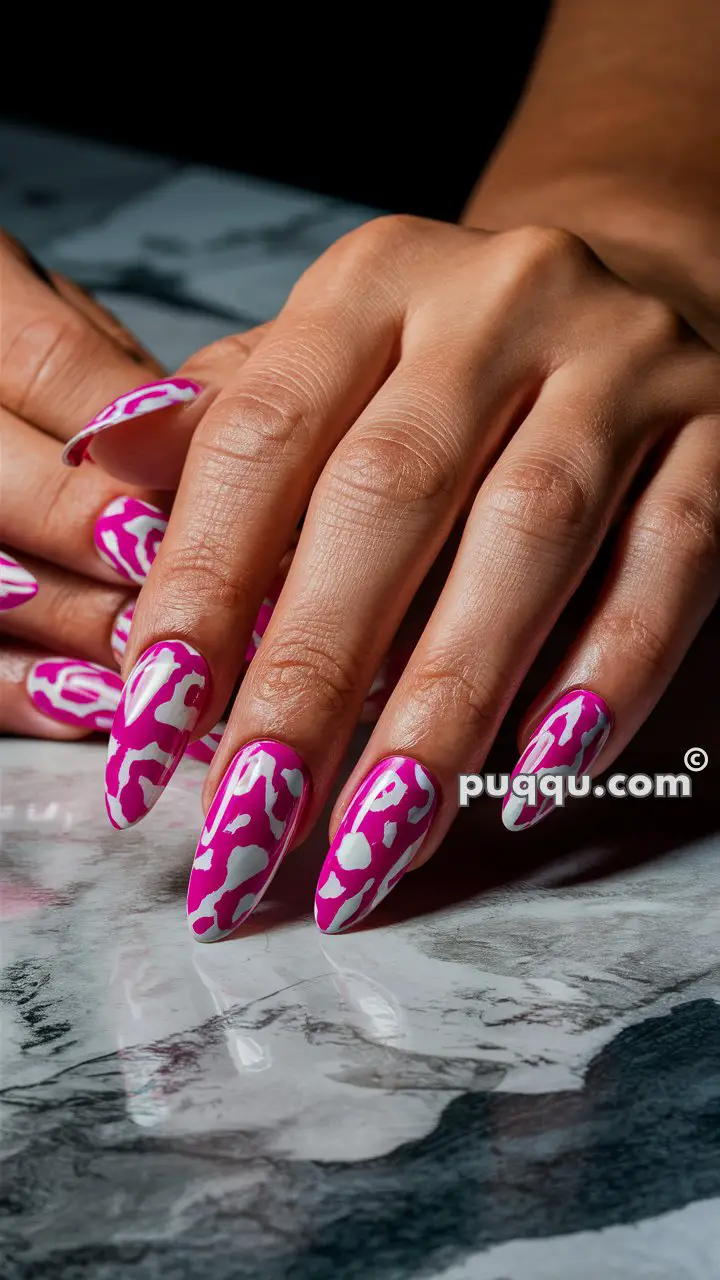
(134, 404)
(75, 692)
(383, 829)
(17, 585)
(128, 534)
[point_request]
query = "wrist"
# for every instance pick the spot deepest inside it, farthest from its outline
(661, 242)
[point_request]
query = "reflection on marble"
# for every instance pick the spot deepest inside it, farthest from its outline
(460, 1092)
(513, 1073)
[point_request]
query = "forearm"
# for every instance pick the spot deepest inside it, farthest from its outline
(618, 140)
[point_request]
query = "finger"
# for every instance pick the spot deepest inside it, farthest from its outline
(664, 582)
(43, 696)
(106, 322)
(153, 454)
(534, 528)
(69, 614)
(380, 514)
(250, 471)
(58, 368)
(17, 584)
(76, 520)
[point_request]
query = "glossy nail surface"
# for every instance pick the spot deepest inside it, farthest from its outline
(566, 742)
(160, 704)
(120, 633)
(383, 829)
(17, 585)
(249, 828)
(134, 404)
(204, 749)
(74, 692)
(127, 536)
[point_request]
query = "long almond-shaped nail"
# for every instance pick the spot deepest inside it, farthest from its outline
(134, 404)
(160, 704)
(128, 534)
(565, 743)
(204, 749)
(249, 828)
(74, 692)
(120, 633)
(17, 585)
(383, 829)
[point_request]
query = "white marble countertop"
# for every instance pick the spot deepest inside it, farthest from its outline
(512, 1074)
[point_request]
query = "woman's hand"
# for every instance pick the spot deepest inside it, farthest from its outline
(75, 547)
(418, 372)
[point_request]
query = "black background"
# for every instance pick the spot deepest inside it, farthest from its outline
(398, 114)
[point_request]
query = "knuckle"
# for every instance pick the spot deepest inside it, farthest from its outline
(393, 468)
(191, 578)
(531, 253)
(543, 498)
(299, 669)
(250, 424)
(443, 687)
(46, 352)
(656, 323)
(683, 522)
(633, 638)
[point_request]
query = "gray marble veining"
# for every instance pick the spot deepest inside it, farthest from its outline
(512, 1074)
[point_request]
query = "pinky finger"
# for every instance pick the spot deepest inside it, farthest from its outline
(44, 696)
(663, 584)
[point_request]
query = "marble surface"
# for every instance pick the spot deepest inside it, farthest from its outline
(513, 1073)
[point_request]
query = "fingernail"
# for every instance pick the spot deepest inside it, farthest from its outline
(204, 749)
(159, 707)
(566, 742)
(383, 829)
(17, 585)
(249, 828)
(134, 404)
(128, 534)
(120, 633)
(73, 692)
(265, 613)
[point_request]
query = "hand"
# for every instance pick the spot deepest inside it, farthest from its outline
(419, 370)
(76, 547)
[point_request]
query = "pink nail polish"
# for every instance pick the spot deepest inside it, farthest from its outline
(383, 829)
(134, 404)
(74, 692)
(120, 633)
(159, 707)
(128, 534)
(265, 613)
(248, 830)
(204, 749)
(566, 742)
(17, 585)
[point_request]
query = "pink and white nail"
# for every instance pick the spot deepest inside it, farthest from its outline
(74, 692)
(17, 585)
(128, 534)
(164, 394)
(384, 828)
(204, 749)
(249, 828)
(120, 633)
(159, 708)
(565, 743)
